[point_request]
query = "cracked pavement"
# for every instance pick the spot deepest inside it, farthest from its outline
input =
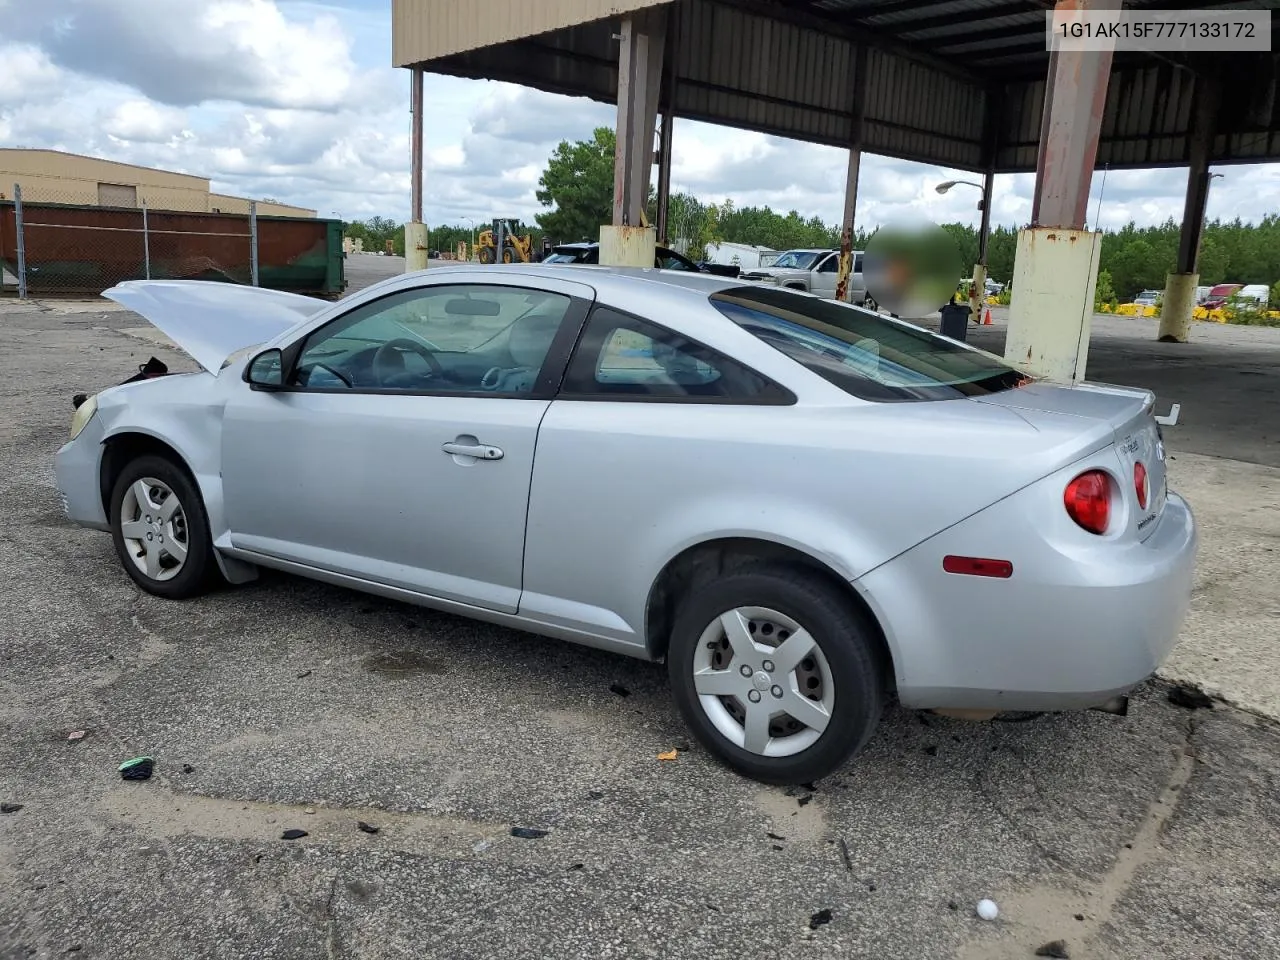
(293, 705)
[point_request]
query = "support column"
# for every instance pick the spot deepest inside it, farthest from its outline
(1180, 286)
(629, 240)
(415, 231)
(668, 130)
(1056, 265)
(843, 291)
(990, 147)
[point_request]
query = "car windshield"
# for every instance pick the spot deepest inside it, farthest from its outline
(796, 260)
(564, 256)
(865, 354)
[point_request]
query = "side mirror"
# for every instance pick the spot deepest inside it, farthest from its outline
(266, 371)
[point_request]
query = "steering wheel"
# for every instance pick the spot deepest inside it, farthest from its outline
(381, 355)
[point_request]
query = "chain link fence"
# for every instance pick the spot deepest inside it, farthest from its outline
(60, 246)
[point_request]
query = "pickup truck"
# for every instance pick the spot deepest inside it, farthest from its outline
(815, 271)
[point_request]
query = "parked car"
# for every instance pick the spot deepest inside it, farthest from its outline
(1219, 295)
(803, 508)
(814, 271)
(1257, 294)
(664, 259)
(1149, 298)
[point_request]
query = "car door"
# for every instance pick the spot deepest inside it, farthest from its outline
(825, 275)
(399, 446)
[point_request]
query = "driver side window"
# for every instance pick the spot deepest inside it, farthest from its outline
(445, 339)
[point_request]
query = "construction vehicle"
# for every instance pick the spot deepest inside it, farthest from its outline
(515, 249)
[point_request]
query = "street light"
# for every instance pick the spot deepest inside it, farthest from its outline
(472, 221)
(944, 187)
(978, 279)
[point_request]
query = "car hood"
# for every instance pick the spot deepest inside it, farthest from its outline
(211, 320)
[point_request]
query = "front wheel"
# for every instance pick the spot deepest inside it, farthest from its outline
(776, 673)
(160, 530)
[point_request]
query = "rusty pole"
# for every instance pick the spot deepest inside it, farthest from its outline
(1075, 97)
(851, 179)
(415, 99)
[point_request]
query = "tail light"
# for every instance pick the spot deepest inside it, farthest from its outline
(1141, 484)
(1088, 501)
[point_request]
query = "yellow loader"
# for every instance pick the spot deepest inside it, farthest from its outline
(514, 249)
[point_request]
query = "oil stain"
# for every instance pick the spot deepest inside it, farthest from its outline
(402, 663)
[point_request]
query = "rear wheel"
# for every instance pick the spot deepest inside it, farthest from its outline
(160, 531)
(776, 673)
(486, 254)
(508, 255)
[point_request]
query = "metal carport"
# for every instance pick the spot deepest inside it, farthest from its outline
(960, 83)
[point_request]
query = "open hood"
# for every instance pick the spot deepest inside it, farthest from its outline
(211, 320)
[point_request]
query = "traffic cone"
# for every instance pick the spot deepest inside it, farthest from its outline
(986, 320)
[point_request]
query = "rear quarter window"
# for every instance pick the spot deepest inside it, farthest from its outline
(867, 355)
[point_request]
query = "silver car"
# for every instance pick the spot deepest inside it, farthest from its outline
(802, 507)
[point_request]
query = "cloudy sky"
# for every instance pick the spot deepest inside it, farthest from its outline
(296, 100)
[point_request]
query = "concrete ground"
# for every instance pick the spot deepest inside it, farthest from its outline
(291, 705)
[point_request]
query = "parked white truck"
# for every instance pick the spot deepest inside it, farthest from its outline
(815, 271)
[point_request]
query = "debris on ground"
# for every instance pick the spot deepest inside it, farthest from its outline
(1054, 948)
(952, 905)
(576, 866)
(293, 835)
(76, 735)
(10, 807)
(595, 794)
(139, 768)
(310, 810)
(1189, 697)
(188, 768)
(304, 674)
(844, 854)
(366, 828)
(931, 750)
(528, 833)
(669, 755)
(774, 836)
(987, 909)
(1080, 916)
(804, 800)
(819, 918)
(619, 689)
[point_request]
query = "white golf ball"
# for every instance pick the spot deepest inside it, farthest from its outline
(988, 910)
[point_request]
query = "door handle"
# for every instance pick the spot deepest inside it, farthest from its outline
(481, 451)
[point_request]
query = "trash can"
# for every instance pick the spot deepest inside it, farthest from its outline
(955, 321)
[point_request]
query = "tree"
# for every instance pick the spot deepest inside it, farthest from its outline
(578, 185)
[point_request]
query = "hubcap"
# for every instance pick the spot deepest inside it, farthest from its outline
(763, 681)
(154, 528)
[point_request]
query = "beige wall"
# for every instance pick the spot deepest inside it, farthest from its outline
(52, 177)
(422, 30)
(227, 204)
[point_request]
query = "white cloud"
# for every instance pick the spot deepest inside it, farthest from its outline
(142, 121)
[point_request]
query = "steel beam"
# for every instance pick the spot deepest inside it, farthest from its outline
(640, 56)
(668, 128)
(1208, 99)
(847, 221)
(1075, 97)
(415, 145)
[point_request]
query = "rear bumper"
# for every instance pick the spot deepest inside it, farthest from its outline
(1070, 629)
(77, 468)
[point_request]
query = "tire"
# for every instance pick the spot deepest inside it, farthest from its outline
(771, 602)
(508, 255)
(147, 558)
(486, 255)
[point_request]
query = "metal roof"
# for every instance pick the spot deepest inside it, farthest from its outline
(958, 83)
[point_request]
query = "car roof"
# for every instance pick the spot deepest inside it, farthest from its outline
(606, 280)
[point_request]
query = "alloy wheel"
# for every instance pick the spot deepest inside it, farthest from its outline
(763, 681)
(154, 528)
